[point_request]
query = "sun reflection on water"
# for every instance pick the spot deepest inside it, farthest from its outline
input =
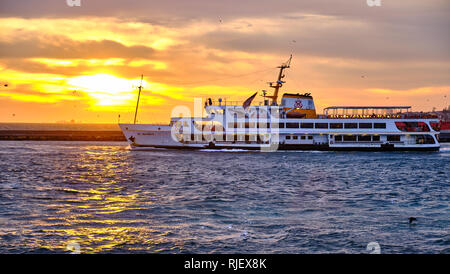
(100, 211)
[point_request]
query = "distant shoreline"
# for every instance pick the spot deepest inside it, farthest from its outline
(60, 126)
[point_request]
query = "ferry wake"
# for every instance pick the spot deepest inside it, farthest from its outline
(291, 124)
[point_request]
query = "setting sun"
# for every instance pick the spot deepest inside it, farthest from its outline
(107, 90)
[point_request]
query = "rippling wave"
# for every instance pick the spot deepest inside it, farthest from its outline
(108, 199)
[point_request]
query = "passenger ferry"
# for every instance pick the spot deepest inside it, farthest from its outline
(291, 124)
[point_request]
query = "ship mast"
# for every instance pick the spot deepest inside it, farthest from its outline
(139, 96)
(279, 82)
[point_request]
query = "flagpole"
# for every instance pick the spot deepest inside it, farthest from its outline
(139, 96)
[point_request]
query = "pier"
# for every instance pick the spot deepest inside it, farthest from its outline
(60, 132)
(61, 135)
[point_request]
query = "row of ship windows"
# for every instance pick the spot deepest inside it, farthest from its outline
(310, 125)
(420, 139)
(351, 138)
(295, 137)
(220, 137)
(334, 125)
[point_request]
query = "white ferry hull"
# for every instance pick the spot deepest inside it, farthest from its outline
(148, 136)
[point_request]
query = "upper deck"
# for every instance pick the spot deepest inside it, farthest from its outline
(374, 112)
(334, 112)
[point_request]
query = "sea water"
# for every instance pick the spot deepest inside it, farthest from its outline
(57, 197)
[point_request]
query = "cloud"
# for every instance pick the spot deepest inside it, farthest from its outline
(329, 36)
(213, 48)
(63, 48)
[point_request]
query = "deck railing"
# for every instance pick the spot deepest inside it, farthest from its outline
(381, 116)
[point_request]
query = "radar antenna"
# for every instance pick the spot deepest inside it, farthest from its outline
(279, 83)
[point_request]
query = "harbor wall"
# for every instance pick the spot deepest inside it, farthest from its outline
(61, 135)
(60, 132)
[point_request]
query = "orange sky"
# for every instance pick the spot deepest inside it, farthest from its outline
(61, 63)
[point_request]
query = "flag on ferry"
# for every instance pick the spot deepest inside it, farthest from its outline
(247, 102)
